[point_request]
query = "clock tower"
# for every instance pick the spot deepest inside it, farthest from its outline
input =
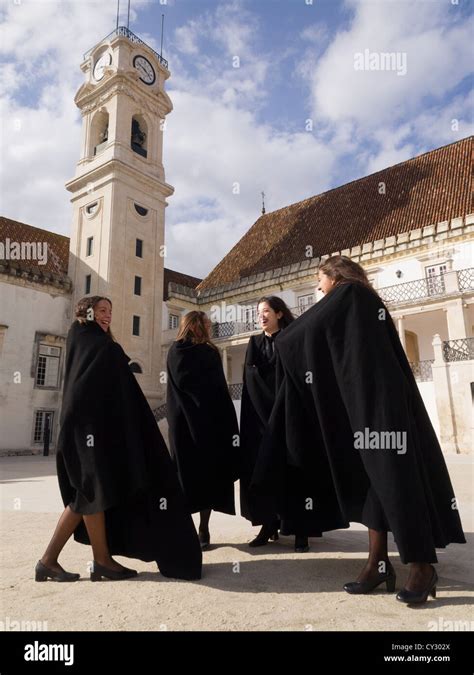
(119, 195)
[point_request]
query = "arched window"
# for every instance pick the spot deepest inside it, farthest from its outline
(139, 134)
(99, 132)
(135, 367)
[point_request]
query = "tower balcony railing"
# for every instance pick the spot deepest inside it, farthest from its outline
(123, 31)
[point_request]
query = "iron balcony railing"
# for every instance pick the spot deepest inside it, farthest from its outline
(422, 370)
(126, 32)
(413, 290)
(458, 350)
(466, 279)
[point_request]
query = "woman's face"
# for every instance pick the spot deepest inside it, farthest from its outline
(103, 314)
(268, 318)
(326, 284)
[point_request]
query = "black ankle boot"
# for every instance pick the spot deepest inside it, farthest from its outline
(266, 534)
(301, 544)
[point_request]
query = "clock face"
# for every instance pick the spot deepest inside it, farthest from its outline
(145, 69)
(100, 64)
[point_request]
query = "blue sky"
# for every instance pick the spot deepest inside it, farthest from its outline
(248, 124)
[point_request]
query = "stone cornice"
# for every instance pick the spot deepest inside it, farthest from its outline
(16, 274)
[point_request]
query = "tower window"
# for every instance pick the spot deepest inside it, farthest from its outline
(136, 325)
(91, 208)
(173, 321)
(89, 245)
(139, 248)
(99, 131)
(138, 140)
(141, 210)
(138, 286)
(87, 289)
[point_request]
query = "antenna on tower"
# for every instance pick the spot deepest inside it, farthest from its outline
(263, 203)
(118, 12)
(162, 29)
(128, 15)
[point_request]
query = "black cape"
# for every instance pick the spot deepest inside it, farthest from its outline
(341, 370)
(258, 397)
(111, 457)
(203, 429)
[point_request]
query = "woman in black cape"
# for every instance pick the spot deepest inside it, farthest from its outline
(349, 417)
(203, 428)
(258, 397)
(116, 477)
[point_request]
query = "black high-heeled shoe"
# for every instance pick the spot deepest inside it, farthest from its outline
(417, 597)
(363, 587)
(99, 571)
(301, 544)
(265, 535)
(43, 573)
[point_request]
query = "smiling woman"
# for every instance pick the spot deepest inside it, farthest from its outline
(118, 484)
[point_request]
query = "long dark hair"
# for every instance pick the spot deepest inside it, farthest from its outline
(85, 304)
(343, 270)
(278, 305)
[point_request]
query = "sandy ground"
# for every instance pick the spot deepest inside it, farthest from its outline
(269, 588)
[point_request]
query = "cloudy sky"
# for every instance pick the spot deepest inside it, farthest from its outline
(294, 119)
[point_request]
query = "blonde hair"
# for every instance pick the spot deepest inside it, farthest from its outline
(193, 327)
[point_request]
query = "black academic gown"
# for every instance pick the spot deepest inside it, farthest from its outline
(258, 396)
(203, 429)
(342, 371)
(111, 457)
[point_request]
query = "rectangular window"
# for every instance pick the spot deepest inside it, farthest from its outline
(89, 245)
(87, 287)
(136, 325)
(304, 302)
(173, 321)
(47, 367)
(40, 422)
(139, 248)
(435, 279)
(138, 286)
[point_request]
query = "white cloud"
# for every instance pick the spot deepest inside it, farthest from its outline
(438, 54)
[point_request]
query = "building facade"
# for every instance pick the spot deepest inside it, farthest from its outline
(411, 226)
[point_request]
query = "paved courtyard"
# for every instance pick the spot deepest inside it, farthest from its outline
(269, 588)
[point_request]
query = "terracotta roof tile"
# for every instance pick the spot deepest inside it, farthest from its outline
(425, 190)
(57, 256)
(177, 278)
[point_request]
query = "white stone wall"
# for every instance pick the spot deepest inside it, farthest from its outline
(26, 310)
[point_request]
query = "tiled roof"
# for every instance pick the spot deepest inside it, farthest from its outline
(428, 189)
(177, 278)
(57, 252)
